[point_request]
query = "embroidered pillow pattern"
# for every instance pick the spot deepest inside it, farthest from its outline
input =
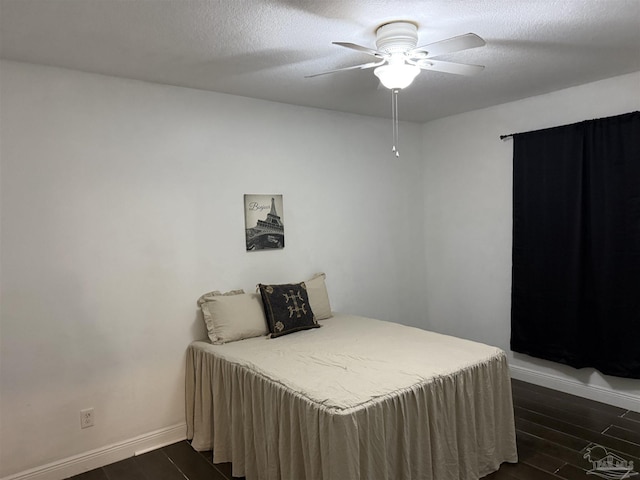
(287, 308)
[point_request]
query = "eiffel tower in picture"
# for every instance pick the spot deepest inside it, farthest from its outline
(272, 223)
(268, 233)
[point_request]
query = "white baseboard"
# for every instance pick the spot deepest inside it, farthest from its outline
(592, 392)
(104, 456)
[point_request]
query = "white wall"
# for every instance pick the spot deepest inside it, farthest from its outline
(468, 186)
(122, 202)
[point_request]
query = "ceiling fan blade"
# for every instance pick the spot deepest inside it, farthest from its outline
(355, 67)
(449, 67)
(450, 45)
(360, 48)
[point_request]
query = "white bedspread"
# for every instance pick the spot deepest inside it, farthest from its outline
(358, 399)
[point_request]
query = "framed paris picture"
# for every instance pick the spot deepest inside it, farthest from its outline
(263, 220)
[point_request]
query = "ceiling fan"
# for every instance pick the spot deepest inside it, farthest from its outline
(396, 47)
(399, 60)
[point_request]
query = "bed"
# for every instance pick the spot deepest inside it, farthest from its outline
(358, 399)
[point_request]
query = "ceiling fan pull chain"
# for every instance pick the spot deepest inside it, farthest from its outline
(394, 120)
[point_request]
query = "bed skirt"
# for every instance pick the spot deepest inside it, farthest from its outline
(459, 426)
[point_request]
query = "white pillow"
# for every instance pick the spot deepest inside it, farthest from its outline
(318, 296)
(234, 317)
(216, 293)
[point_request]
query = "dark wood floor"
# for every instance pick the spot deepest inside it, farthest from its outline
(553, 429)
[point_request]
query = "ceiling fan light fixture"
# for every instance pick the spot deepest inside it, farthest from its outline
(399, 61)
(396, 76)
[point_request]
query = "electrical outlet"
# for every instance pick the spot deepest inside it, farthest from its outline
(86, 418)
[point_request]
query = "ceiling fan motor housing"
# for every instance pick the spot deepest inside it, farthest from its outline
(397, 37)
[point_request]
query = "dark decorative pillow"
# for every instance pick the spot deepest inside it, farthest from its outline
(287, 308)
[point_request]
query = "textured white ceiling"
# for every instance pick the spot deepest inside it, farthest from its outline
(263, 49)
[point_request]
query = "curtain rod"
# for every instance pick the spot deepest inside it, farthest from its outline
(504, 137)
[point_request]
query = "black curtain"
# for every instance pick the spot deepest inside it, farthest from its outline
(576, 245)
